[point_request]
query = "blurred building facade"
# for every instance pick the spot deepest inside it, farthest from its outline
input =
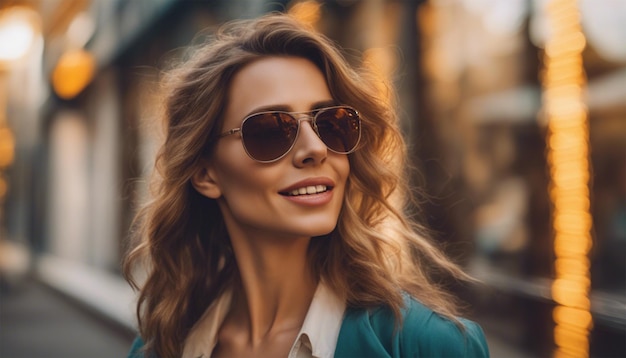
(81, 112)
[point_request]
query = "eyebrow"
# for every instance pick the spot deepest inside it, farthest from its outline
(287, 108)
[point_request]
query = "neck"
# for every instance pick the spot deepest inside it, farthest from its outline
(276, 286)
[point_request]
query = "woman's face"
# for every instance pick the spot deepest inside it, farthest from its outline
(258, 198)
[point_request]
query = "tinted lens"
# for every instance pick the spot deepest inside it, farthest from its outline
(268, 136)
(339, 128)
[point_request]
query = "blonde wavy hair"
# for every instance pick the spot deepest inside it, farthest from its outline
(373, 256)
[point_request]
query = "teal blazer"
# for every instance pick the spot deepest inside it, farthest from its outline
(423, 333)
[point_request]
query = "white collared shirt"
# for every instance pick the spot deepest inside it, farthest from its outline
(317, 337)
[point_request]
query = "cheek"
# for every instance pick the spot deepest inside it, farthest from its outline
(344, 168)
(235, 171)
(245, 188)
(236, 182)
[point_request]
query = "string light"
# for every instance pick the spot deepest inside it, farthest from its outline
(563, 81)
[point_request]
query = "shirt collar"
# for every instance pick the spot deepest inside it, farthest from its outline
(202, 337)
(322, 323)
(317, 337)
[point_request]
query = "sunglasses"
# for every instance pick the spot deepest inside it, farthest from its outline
(269, 136)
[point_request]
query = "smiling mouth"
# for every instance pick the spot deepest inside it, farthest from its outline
(308, 190)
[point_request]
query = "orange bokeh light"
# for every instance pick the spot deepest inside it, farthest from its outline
(563, 81)
(73, 73)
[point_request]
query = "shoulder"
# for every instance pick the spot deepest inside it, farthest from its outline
(431, 335)
(423, 333)
(136, 349)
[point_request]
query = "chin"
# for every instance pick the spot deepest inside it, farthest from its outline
(322, 230)
(309, 224)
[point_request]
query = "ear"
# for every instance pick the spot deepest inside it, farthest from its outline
(204, 181)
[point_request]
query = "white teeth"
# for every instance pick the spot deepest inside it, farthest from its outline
(312, 189)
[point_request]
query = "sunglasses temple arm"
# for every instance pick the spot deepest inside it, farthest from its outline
(229, 132)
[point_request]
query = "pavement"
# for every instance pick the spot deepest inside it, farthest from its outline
(36, 321)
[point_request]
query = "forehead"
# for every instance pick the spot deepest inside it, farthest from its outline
(287, 82)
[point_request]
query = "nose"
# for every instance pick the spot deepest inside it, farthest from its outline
(309, 150)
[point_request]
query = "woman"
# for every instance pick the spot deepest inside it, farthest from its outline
(276, 227)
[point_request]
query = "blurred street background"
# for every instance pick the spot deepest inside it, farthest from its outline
(514, 110)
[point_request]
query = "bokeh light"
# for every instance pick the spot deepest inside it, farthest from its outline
(563, 82)
(18, 29)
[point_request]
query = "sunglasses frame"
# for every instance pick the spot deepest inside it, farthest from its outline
(311, 116)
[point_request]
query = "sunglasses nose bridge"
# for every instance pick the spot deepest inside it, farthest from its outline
(306, 117)
(311, 118)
